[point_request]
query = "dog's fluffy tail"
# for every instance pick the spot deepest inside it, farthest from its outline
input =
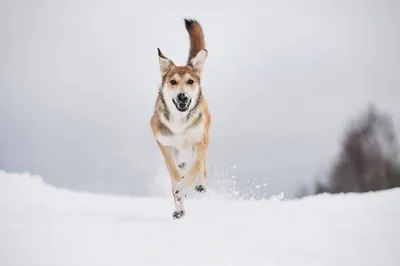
(196, 37)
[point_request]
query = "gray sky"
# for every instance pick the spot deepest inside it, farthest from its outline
(78, 81)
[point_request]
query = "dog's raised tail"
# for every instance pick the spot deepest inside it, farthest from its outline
(196, 37)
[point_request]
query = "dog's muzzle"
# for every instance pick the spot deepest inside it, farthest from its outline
(182, 102)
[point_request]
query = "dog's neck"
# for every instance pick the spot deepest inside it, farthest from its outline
(177, 121)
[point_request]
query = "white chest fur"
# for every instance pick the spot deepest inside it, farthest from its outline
(183, 136)
(182, 144)
(182, 140)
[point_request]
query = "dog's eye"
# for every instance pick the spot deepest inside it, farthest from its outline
(173, 82)
(190, 81)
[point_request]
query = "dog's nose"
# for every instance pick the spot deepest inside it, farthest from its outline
(182, 98)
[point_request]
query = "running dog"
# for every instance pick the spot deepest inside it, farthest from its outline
(181, 119)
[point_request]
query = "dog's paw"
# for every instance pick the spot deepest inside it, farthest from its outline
(200, 188)
(178, 214)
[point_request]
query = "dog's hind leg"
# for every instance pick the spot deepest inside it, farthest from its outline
(201, 186)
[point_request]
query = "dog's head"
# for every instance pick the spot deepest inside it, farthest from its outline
(181, 84)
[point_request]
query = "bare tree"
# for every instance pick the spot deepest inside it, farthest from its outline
(368, 160)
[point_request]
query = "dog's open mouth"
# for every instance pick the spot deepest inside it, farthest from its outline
(182, 107)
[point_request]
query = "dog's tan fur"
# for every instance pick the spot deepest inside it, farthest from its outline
(177, 131)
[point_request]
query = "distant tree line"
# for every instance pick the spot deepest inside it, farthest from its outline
(368, 159)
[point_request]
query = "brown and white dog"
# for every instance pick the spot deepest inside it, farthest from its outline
(181, 119)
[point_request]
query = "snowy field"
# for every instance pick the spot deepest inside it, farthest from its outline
(47, 226)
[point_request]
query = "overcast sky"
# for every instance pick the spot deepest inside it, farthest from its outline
(78, 81)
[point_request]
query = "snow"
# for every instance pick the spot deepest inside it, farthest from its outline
(44, 225)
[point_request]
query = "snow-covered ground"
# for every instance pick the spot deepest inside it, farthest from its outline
(48, 226)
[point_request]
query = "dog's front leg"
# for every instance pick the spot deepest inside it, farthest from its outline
(199, 153)
(176, 176)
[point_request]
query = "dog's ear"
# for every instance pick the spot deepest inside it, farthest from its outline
(165, 63)
(197, 62)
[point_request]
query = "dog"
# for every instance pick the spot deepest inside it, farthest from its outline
(181, 120)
